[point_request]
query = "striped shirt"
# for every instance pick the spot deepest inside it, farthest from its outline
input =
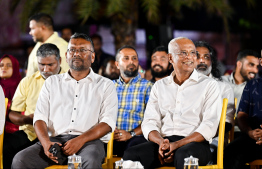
(132, 99)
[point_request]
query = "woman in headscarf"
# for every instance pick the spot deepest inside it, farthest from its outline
(9, 80)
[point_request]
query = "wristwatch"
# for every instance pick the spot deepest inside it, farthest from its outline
(132, 133)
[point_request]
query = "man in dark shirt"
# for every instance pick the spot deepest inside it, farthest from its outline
(247, 147)
(100, 54)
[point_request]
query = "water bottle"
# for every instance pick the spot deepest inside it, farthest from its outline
(191, 163)
(74, 162)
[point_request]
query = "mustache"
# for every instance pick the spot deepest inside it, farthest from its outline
(158, 65)
(74, 59)
(131, 65)
(202, 65)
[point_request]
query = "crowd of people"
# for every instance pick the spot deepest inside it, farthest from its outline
(75, 94)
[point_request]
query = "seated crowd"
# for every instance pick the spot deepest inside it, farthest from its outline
(74, 94)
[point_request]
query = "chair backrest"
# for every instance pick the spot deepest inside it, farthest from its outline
(2, 139)
(221, 134)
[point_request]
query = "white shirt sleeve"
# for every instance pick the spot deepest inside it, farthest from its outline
(211, 111)
(2, 110)
(152, 117)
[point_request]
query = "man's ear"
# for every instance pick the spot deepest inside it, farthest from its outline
(93, 56)
(66, 57)
(170, 58)
(117, 64)
(239, 64)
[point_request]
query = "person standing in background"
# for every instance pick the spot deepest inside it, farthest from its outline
(42, 31)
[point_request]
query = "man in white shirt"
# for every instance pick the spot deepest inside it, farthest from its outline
(208, 65)
(42, 31)
(2, 110)
(77, 108)
(182, 113)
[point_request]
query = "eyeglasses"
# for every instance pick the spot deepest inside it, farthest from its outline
(81, 51)
(184, 54)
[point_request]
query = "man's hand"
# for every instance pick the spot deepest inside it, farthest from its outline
(46, 147)
(164, 147)
(72, 146)
(121, 135)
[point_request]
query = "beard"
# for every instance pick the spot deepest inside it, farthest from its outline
(159, 74)
(77, 67)
(244, 74)
(206, 70)
(131, 73)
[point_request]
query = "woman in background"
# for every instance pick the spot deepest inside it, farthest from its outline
(9, 80)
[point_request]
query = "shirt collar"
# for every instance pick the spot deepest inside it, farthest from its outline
(194, 76)
(38, 75)
(133, 80)
(232, 78)
(90, 76)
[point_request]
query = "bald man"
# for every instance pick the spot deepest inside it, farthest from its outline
(182, 113)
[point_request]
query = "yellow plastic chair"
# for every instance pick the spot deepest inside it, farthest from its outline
(220, 148)
(108, 161)
(2, 139)
(231, 132)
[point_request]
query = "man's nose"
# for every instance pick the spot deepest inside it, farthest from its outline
(46, 68)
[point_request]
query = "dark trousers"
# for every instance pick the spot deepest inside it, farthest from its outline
(241, 151)
(92, 155)
(13, 143)
(147, 153)
(120, 146)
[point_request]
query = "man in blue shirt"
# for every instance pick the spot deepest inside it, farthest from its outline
(133, 94)
(247, 147)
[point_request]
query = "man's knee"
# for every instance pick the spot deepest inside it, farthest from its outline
(131, 154)
(18, 160)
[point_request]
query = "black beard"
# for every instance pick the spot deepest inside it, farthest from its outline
(162, 73)
(131, 73)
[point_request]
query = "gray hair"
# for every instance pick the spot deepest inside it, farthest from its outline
(83, 36)
(48, 49)
(172, 45)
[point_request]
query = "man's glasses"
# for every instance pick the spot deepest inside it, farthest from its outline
(184, 54)
(81, 51)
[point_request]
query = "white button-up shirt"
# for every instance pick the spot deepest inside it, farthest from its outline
(195, 106)
(2, 110)
(72, 107)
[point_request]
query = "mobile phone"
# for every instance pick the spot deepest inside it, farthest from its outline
(57, 152)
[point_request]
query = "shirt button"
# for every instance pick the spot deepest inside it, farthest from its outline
(70, 131)
(76, 95)
(74, 108)
(72, 120)
(77, 82)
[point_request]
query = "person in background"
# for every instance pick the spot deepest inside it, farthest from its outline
(25, 99)
(133, 93)
(66, 33)
(160, 65)
(246, 69)
(42, 31)
(9, 80)
(208, 65)
(109, 69)
(100, 54)
(248, 146)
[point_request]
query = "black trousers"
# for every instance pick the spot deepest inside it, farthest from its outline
(147, 153)
(241, 151)
(13, 143)
(120, 146)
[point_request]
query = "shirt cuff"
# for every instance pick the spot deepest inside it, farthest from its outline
(110, 122)
(40, 117)
(146, 129)
(206, 131)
